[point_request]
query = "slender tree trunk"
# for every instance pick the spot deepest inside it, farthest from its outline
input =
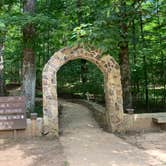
(2, 41)
(125, 76)
(145, 66)
(83, 61)
(163, 58)
(2, 81)
(146, 83)
(134, 42)
(134, 59)
(84, 75)
(28, 67)
(124, 61)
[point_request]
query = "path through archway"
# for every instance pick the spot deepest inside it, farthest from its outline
(112, 87)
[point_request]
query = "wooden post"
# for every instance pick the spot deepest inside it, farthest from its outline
(33, 124)
(15, 134)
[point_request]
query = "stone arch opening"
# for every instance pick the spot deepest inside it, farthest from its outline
(76, 79)
(112, 87)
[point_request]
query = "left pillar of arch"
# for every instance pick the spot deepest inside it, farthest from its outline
(50, 102)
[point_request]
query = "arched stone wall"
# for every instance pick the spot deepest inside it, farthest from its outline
(112, 87)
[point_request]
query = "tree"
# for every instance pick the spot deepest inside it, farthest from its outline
(28, 66)
(114, 27)
(2, 82)
(83, 61)
(2, 40)
(124, 58)
(2, 47)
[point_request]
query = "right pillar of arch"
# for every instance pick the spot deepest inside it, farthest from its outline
(114, 101)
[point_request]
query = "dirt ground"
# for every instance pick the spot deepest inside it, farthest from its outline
(31, 152)
(83, 143)
(153, 144)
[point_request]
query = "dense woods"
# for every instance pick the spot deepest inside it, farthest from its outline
(132, 31)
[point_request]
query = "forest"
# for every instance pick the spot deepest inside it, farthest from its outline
(132, 31)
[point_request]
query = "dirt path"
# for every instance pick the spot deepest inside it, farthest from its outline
(31, 152)
(85, 144)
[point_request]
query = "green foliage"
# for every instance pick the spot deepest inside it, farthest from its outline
(96, 23)
(69, 80)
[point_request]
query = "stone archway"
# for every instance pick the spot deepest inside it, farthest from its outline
(112, 87)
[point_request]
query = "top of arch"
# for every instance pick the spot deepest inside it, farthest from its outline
(104, 62)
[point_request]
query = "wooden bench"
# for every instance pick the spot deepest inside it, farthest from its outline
(90, 97)
(160, 119)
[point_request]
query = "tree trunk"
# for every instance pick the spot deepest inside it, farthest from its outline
(124, 61)
(145, 66)
(125, 76)
(83, 61)
(134, 42)
(84, 75)
(28, 67)
(2, 41)
(163, 58)
(146, 84)
(2, 82)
